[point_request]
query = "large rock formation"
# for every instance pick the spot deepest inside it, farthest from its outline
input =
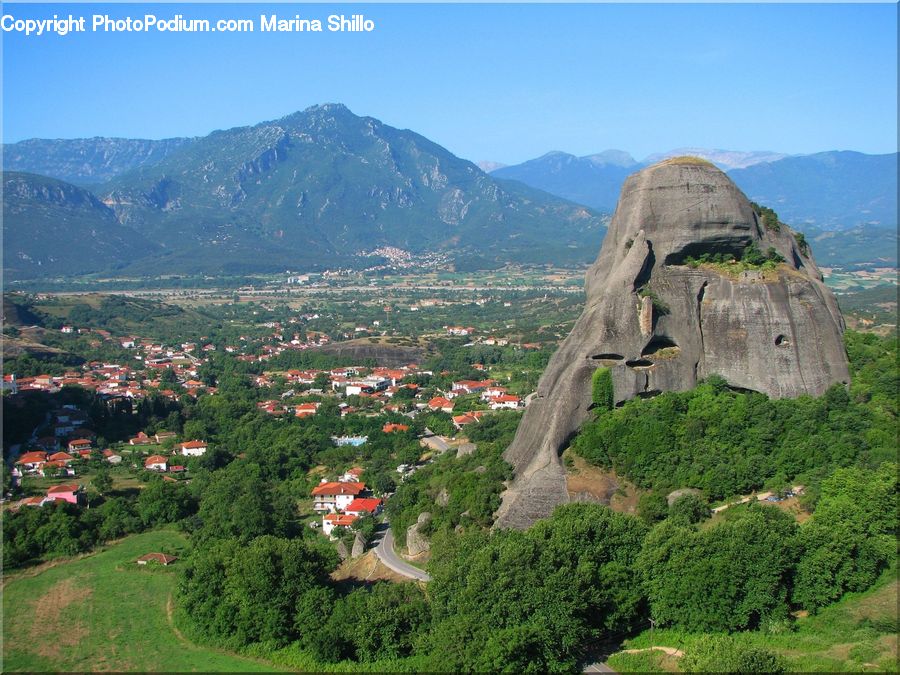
(661, 324)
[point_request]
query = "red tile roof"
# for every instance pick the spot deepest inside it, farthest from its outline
(360, 504)
(392, 427)
(336, 488)
(32, 458)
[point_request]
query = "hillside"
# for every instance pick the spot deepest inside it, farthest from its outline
(321, 185)
(86, 161)
(52, 228)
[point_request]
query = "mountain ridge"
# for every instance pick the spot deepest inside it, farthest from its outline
(321, 185)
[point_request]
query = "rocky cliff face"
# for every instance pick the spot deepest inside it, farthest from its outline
(660, 322)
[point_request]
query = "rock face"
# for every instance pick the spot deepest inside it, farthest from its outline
(359, 545)
(416, 542)
(660, 324)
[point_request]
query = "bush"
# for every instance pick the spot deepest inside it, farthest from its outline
(602, 392)
(724, 654)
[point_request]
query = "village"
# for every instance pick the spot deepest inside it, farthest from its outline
(62, 458)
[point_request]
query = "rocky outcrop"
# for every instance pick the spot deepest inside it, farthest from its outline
(660, 322)
(359, 545)
(416, 542)
(464, 450)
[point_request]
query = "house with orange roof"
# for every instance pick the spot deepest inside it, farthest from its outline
(306, 409)
(333, 520)
(392, 427)
(156, 463)
(362, 505)
(352, 475)
(441, 403)
(80, 444)
(459, 421)
(31, 462)
(193, 448)
(335, 496)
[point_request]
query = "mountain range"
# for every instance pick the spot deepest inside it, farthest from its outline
(312, 189)
(832, 190)
(320, 187)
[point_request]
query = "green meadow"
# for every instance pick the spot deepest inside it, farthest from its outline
(104, 612)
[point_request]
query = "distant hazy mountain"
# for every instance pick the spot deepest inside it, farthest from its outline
(594, 180)
(828, 189)
(86, 161)
(319, 186)
(724, 159)
(53, 228)
(487, 166)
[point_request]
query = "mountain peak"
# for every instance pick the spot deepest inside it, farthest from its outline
(612, 158)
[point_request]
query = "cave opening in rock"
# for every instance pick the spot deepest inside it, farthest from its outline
(697, 250)
(610, 356)
(782, 341)
(639, 363)
(661, 346)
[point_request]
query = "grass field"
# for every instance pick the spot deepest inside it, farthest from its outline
(104, 612)
(857, 634)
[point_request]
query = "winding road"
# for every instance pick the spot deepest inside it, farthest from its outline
(386, 554)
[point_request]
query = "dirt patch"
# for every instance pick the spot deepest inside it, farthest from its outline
(586, 482)
(792, 506)
(879, 605)
(366, 568)
(47, 619)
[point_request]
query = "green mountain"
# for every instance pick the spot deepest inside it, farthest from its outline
(52, 228)
(321, 185)
(86, 161)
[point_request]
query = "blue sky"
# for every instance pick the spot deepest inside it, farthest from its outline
(500, 82)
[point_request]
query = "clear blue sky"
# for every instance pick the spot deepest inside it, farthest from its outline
(498, 82)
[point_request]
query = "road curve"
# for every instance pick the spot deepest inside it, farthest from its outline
(385, 552)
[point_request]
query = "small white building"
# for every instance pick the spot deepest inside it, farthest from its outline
(156, 463)
(193, 448)
(333, 520)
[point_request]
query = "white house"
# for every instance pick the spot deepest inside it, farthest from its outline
(156, 463)
(335, 496)
(333, 520)
(193, 448)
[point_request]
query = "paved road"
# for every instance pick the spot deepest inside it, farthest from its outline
(385, 552)
(598, 668)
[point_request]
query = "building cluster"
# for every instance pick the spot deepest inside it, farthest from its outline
(343, 501)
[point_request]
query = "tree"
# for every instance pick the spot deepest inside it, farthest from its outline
(163, 502)
(552, 589)
(851, 537)
(689, 509)
(602, 389)
(242, 593)
(728, 577)
(653, 507)
(102, 481)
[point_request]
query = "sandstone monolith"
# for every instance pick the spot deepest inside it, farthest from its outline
(660, 322)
